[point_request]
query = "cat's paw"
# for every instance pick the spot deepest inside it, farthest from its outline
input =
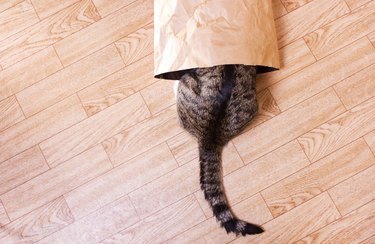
(175, 88)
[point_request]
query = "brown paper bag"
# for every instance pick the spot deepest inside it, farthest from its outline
(203, 33)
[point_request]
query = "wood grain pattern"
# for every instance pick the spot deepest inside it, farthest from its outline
(170, 221)
(161, 193)
(137, 45)
(354, 192)
(17, 18)
(267, 109)
(357, 88)
(105, 9)
(299, 222)
(297, 24)
(120, 181)
(183, 147)
(159, 96)
(112, 28)
(97, 226)
(288, 125)
(323, 74)
(55, 182)
(318, 177)
(40, 36)
(278, 9)
(39, 127)
(21, 168)
(339, 131)
(3, 216)
(293, 57)
(353, 4)
(4, 5)
(264, 172)
(371, 37)
(252, 209)
(353, 228)
(39, 66)
(94, 130)
(117, 86)
(369, 240)
(342, 32)
(69, 80)
(291, 5)
(143, 136)
(38, 224)
(45, 8)
(10, 113)
(370, 139)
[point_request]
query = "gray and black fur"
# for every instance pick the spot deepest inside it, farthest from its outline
(214, 105)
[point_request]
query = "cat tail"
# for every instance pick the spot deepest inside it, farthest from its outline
(213, 189)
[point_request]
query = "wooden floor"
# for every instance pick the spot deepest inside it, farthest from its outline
(91, 149)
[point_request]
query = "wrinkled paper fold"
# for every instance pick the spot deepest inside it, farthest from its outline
(203, 33)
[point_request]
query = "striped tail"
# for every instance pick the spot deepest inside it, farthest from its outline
(212, 187)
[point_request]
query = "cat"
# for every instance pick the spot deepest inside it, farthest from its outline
(214, 105)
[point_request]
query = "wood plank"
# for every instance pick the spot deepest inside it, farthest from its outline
(293, 57)
(264, 172)
(353, 4)
(45, 8)
(105, 9)
(39, 127)
(318, 177)
(163, 191)
(278, 9)
(143, 136)
(37, 224)
(253, 210)
(94, 130)
(371, 37)
(370, 240)
(288, 125)
(17, 18)
(70, 80)
(21, 168)
(323, 74)
(117, 86)
(38, 66)
(357, 88)
(301, 221)
(112, 28)
(342, 31)
(137, 45)
(170, 221)
(339, 131)
(55, 182)
(296, 24)
(354, 192)
(159, 96)
(291, 5)
(353, 228)
(3, 216)
(10, 113)
(48, 31)
(120, 181)
(267, 109)
(184, 147)
(98, 225)
(6, 4)
(370, 139)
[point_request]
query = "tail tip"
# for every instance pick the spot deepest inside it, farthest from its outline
(240, 227)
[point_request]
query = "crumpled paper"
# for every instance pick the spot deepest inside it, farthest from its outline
(204, 33)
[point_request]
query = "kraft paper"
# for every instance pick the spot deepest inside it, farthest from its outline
(204, 33)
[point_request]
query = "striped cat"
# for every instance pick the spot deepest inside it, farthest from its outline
(214, 105)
